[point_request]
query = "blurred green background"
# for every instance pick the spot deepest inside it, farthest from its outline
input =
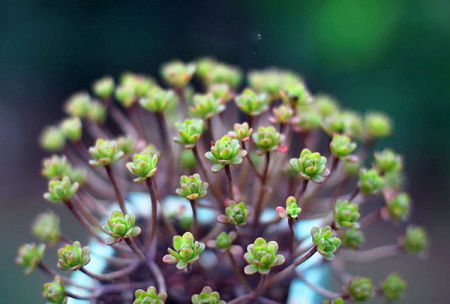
(392, 56)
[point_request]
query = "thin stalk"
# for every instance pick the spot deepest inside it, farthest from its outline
(370, 219)
(320, 290)
(237, 270)
(251, 163)
(301, 190)
(194, 218)
(65, 280)
(229, 182)
(372, 255)
(354, 194)
(291, 235)
(112, 275)
(153, 228)
(83, 297)
(119, 197)
(260, 201)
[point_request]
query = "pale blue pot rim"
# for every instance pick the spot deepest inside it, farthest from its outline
(138, 204)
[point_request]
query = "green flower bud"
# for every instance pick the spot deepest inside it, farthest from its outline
(252, 103)
(61, 190)
(342, 146)
(399, 208)
(125, 144)
(189, 132)
(144, 165)
(394, 180)
(236, 214)
(241, 132)
(296, 93)
(71, 128)
(78, 105)
(377, 125)
(333, 124)
(206, 106)
(220, 92)
(351, 167)
(388, 161)
(261, 256)
(158, 100)
(150, 296)
(186, 250)
(353, 124)
(52, 139)
(77, 175)
(103, 87)
(310, 166)
(393, 287)
(415, 240)
(222, 73)
(292, 209)
(46, 228)
(326, 242)
(177, 74)
(104, 153)
(138, 85)
(225, 151)
(207, 296)
(54, 292)
(29, 256)
(192, 187)
(335, 301)
(266, 81)
(360, 289)
(73, 256)
(187, 160)
(370, 182)
(204, 67)
(225, 240)
(283, 114)
(97, 112)
(125, 95)
(120, 226)
(308, 119)
(352, 238)
(55, 167)
(266, 139)
(326, 105)
(346, 214)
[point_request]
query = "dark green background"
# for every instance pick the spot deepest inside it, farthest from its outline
(386, 55)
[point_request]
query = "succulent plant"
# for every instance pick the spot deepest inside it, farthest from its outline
(137, 169)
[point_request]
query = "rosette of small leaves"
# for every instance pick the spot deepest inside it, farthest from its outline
(296, 93)
(71, 128)
(104, 153)
(149, 296)
(189, 132)
(292, 208)
(252, 103)
(266, 139)
(333, 124)
(353, 124)
(225, 151)
(377, 125)
(125, 144)
(204, 67)
(326, 105)
(342, 146)
(46, 227)
(399, 207)
(186, 250)
(192, 187)
(241, 132)
(221, 92)
(187, 160)
(283, 114)
(144, 165)
(77, 175)
(370, 181)
(360, 289)
(222, 73)
(387, 161)
(55, 167)
(78, 105)
(177, 74)
(236, 214)
(158, 100)
(73, 257)
(54, 292)
(207, 296)
(325, 241)
(415, 240)
(52, 139)
(120, 226)
(223, 241)
(346, 214)
(29, 256)
(393, 287)
(311, 166)
(125, 95)
(103, 87)
(206, 105)
(335, 301)
(97, 113)
(352, 238)
(308, 119)
(139, 85)
(61, 190)
(267, 81)
(261, 256)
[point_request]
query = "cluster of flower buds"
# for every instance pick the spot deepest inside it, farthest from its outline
(267, 137)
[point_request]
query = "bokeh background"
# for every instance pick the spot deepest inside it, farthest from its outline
(392, 56)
